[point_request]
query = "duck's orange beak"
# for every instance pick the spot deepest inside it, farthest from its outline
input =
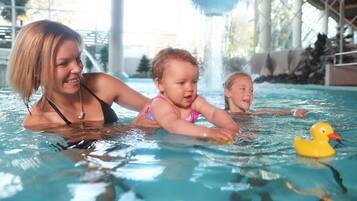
(334, 136)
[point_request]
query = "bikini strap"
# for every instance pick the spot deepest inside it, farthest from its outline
(147, 111)
(108, 113)
(58, 112)
(91, 92)
(194, 115)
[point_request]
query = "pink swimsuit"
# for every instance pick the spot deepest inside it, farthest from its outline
(191, 118)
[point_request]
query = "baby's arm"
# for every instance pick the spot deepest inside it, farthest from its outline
(218, 117)
(170, 120)
(298, 113)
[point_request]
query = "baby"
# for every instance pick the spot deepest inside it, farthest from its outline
(238, 97)
(177, 107)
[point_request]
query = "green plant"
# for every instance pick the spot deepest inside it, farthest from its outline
(234, 64)
(311, 67)
(89, 64)
(144, 65)
(104, 56)
(270, 64)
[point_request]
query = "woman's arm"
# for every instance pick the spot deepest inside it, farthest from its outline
(111, 89)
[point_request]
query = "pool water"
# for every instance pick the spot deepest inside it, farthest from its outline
(135, 164)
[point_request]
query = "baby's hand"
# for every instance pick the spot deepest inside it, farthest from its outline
(299, 113)
(236, 136)
(246, 136)
(220, 135)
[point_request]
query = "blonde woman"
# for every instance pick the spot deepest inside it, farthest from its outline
(46, 57)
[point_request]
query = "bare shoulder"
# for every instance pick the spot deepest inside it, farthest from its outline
(160, 103)
(105, 86)
(161, 107)
(199, 102)
(36, 120)
(100, 80)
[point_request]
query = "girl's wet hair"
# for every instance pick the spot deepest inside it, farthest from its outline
(161, 60)
(32, 58)
(228, 84)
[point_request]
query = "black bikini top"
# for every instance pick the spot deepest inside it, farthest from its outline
(108, 112)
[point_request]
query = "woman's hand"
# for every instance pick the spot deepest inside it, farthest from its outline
(142, 121)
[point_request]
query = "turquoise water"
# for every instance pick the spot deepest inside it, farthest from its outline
(134, 164)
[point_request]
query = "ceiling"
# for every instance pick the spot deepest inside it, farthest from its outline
(350, 10)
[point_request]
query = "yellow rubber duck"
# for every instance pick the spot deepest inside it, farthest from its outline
(318, 146)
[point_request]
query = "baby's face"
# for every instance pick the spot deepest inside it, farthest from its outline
(240, 95)
(179, 83)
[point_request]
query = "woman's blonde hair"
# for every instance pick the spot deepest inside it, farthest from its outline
(160, 61)
(229, 82)
(32, 58)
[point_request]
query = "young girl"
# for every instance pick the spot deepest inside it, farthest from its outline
(238, 96)
(177, 107)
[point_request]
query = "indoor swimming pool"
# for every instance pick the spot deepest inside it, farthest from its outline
(135, 164)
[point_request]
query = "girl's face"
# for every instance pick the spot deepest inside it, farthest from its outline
(68, 68)
(179, 83)
(240, 94)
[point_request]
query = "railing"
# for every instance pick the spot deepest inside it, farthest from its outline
(342, 74)
(340, 55)
(4, 54)
(89, 37)
(6, 36)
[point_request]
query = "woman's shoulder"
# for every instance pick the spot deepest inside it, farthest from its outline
(36, 119)
(40, 117)
(105, 86)
(98, 76)
(98, 80)
(95, 77)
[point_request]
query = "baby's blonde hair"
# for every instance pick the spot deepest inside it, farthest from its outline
(160, 61)
(229, 82)
(32, 58)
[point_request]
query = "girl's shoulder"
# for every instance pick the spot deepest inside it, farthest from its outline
(198, 103)
(199, 99)
(160, 101)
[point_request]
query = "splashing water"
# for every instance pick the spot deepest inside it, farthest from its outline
(213, 52)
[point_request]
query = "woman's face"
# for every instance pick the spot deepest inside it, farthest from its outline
(240, 94)
(68, 68)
